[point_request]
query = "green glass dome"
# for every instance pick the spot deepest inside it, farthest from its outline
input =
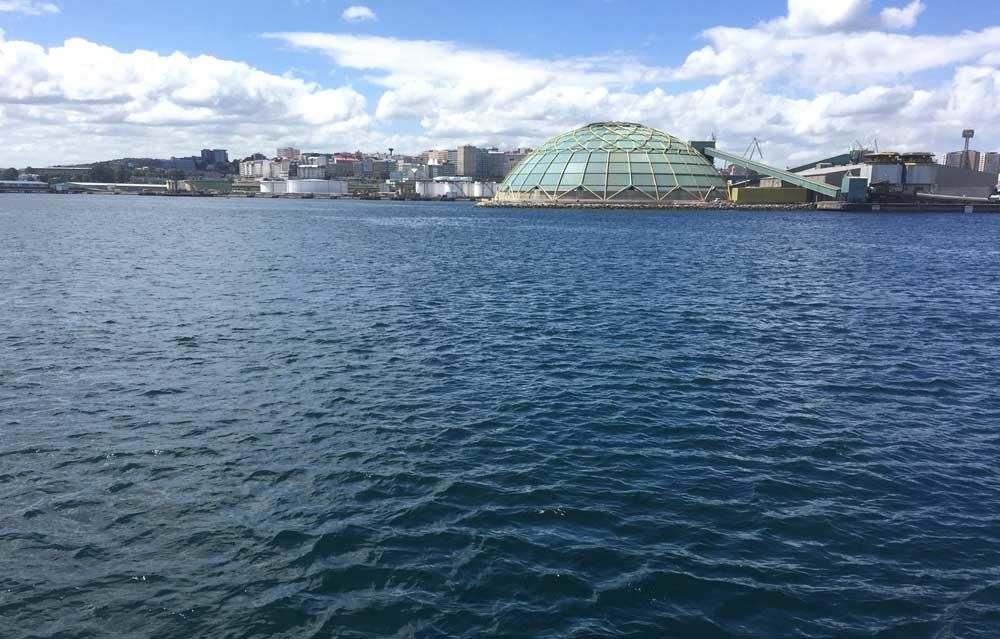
(614, 162)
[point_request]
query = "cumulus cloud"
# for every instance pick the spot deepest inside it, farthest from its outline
(806, 17)
(358, 13)
(832, 60)
(28, 7)
(902, 17)
(811, 16)
(812, 81)
(59, 101)
(450, 91)
(808, 84)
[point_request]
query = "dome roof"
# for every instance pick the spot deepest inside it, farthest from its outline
(615, 162)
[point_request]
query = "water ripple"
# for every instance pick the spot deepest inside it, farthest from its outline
(245, 419)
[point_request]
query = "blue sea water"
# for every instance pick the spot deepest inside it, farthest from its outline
(271, 418)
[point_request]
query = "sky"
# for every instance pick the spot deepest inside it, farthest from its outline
(82, 81)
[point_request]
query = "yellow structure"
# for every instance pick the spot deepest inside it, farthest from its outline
(767, 195)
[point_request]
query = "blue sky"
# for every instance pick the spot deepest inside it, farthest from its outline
(421, 75)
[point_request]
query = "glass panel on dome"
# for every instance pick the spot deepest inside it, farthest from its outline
(598, 156)
(640, 179)
(576, 167)
(619, 157)
(680, 162)
(657, 157)
(550, 179)
(641, 167)
(594, 179)
(665, 179)
(639, 157)
(618, 167)
(580, 156)
(571, 180)
(661, 167)
(618, 179)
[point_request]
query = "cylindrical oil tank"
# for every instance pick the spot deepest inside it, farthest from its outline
(325, 187)
(273, 186)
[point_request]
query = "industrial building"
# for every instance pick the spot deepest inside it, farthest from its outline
(311, 172)
(912, 176)
(23, 186)
(622, 163)
(613, 162)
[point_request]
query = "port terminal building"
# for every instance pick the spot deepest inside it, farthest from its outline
(629, 164)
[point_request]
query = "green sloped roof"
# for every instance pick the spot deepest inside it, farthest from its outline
(613, 162)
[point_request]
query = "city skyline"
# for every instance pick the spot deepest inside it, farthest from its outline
(806, 78)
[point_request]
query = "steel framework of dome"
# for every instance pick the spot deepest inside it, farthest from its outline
(614, 162)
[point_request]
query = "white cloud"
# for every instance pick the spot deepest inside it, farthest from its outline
(813, 16)
(83, 101)
(904, 17)
(832, 59)
(28, 7)
(804, 94)
(808, 84)
(807, 17)
(358, 13)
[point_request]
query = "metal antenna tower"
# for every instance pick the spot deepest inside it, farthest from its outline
(967, 134)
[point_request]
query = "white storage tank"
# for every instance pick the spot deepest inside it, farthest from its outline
(484, 189)
(318, 187)
(455, 188)
(276, 187)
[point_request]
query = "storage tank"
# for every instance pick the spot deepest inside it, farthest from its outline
(455, 188)
(275, 187)
(485, 189)
(319, 187)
